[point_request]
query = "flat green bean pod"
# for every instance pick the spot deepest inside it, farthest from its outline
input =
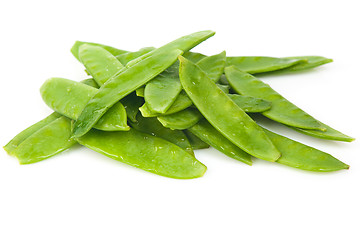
(250, 104)
(132, 103)
(99, 63)
(45, 142)
(195, 142)
(329, 134)
(181, 120)
(281, 110)
(146, 152)
(153, 127)
(309, 62)
(214, 138)
(112, 50)
(23, 135)
(125, 58)
(69, 98)
(213, 65)
(224, 114)
(298, 155)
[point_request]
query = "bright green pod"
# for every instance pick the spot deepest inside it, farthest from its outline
(181, 102)
(69, 98)
(153, 127)
(125, 58)
(23, 135)
(250, 104)
(140, 92)
(120, 86)
(224, 114)
(112, 50)
(259, 64)
(161, 92)
(45, 142)
(196, 143)
(99, 63)
(213, 65)
(329, 134)
(224, 88)
(146, 152)
(298, 155)
(214, 138)
(281, 110)
(181, 120)
(194, 56)
(307, 63)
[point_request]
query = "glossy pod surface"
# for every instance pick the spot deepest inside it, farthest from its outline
(281, 109)
(153, 127)
(224, 114)
(146, 152)
(69, 99)
(46, 142)
(181, 120)
(196, 143)
(298, 155)
(121, 85)
(207, 133)
(112, 50)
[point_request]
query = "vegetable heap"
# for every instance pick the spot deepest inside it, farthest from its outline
(153, 107)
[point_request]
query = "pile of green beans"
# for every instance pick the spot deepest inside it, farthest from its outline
(151, 108)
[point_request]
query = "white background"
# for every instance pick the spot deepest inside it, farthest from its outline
(81, 194)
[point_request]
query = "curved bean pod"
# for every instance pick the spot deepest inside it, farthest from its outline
(224, 114)
(181, 120)
(69, 98)
(112, 50)
(207, 133)
(153, 127)
(146, 152)
(125, 58)
(298, 155)
(281, 110)
(195, 142)
(250, 104)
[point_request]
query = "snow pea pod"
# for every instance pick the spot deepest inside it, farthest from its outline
(45, 142)
(196, 143)
(153, 127)
(99, 63)
(309, 62)
(140, 92)
(259, 64)
(298, 155)
(129, 56)
(181, 102)
(161, 92)
(146, 152)
(281, 110)
(224, 114)
(181, 120)
(112, 50)
(121, 85)
(250, 104)
(23, 135)
(69, 98)
(207, 133)
(329, 134)
(213, 65)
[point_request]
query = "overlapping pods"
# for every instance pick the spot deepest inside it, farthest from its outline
(152, 107)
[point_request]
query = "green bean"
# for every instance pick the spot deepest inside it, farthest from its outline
(224, 114)
(214, 138)
(23, 135)
(309, 62)
(121, 85)
(195, 142)
(181, 120)
(194, 56)
(153, 127)
(224, 88)
(181, 102)
(281, 109)
(146, 152)
(250, 104)
(140, 92)
(129, 56)
(329, 134)
(161, 92)
(298, 155)
(45, 142)
(99, 63)
(69, 98)
(213, 66)
(112, 50)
